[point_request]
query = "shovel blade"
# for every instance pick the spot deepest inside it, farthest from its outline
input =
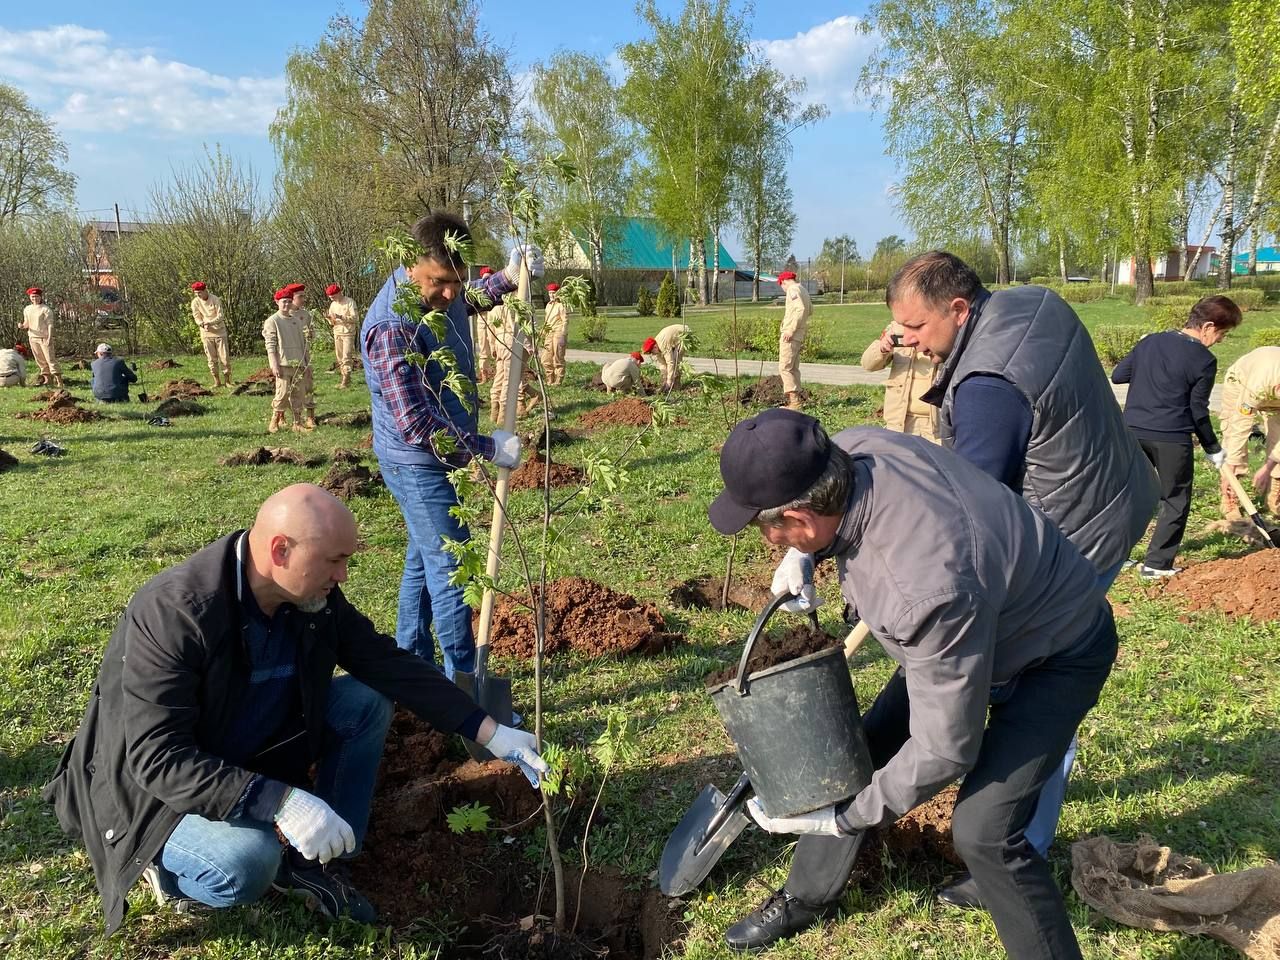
(693, 849)
(493, 694)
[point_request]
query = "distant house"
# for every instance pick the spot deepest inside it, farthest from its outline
(1268, 261)
(99, 241)
(1170, 266)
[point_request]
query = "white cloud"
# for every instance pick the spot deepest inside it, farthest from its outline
(828, 58)
(89, 82)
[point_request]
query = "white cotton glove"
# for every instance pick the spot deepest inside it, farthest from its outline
(311, 826)
(506, 449)
(795, 576)
(1217, 459)
(819, 822)
(520, 252)
(520, 748)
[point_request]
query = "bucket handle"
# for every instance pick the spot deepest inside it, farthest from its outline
(739, 683)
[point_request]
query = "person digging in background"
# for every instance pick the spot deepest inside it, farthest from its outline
(1251, 392)
(37, 320)
(345, 321)
(206, 310)
(555, 332)
(1022, 396)
(111, 376)
(667, 350)
(486, 349)
(306, 323)
(623, 374)
(1170, 377)
(13, 367)
(795, 324)
(288, 355)
(1001, 639)
(422, 429)
(216, 699)
(502, 322)
(910, 377)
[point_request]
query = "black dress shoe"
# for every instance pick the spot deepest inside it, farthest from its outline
(780, 916)
(962, 893)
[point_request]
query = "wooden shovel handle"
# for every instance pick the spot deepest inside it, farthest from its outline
(855, 638)
(1238, 489)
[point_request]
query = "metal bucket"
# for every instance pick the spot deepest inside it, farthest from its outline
(797, 728)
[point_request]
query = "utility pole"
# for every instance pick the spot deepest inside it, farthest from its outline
(844, 252)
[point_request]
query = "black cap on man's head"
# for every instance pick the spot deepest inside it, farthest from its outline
(768, 460)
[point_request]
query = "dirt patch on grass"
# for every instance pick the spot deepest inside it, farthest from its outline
(343, 455)
(1240, 586)
(413, 866)
(359, 420)
(627, 412)
(54, 398)
(705, 593)
(7, 461)
(531, 473)
(347, 480)
(167, 364)
(366, 443)
(767, 392)
(266, 455)
(794, 642)
(253, 388)
(583, 616)
(182, 389)
(179, 407)
(923, 835)
(61, 408)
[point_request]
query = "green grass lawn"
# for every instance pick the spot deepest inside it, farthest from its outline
(1183, 745)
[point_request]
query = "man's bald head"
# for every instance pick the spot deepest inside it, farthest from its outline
(300, 542)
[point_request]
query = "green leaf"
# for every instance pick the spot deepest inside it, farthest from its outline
(471, 818)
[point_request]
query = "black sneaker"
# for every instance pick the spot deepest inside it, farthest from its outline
(780, 916)
(168, 896)
(961, 893)
(326, 887)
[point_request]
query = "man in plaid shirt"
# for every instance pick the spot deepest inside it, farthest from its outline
(422, 429)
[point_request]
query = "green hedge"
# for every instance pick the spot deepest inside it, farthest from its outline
(1175, 301)
(1264, 337)
(1114, 341)
(1081, 292)
(1249, 298)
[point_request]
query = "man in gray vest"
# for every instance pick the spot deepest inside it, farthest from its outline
(1022, 396)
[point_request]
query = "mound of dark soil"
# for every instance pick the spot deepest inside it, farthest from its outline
(705, 593)
(767, 392)
(183, 388)
(178, 407)
(583, 616)
(628, 412)
(261, 375)
(358, 420)
(343, 455)
(169, 364)
(922, 836)
(795, 641)
(530, 474)
(61, 408)
(265, 455)
(80, 365)
(1246, 586)
(348, 481)
(7, 461)
(55, 398)
(253, 388)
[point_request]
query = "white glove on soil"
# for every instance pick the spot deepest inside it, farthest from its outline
(819, 822)
(520, 748)
(520, 252)
(313, 828)
(506, 449)
(795, 576)
(1217, 459)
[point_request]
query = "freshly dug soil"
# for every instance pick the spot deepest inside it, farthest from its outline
(164, 365)
(178, 407)
(628, 412)
(922, 835)
(61, 408)
(1246, 586)
(261, 375)
(413, 866)
(343, 455)
(265, 455)
(253, 388)
(767, 392)
(597, 383)
(796, 641)
(54, 398)
(704, 593)
(584, 616)
(347, 481)
(7, 461)
(530, 475)
(80, 365)
(366, 443)
(182, 389)
(359, 419)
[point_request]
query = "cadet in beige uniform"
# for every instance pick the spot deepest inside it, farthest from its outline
(485, 341)
(1251, 391)
(503, 320)
(289, 355)
(555, 332)
(668, 346)
(910, 376)
(37, 320)
(795, 324)
(345, 321)
(622, 374)
(206, 310)
(13, 367)
(307, 325)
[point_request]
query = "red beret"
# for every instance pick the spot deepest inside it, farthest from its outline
(649, 345)
(637, 356)
(31, 290)
(331, 289)
(284, 293)
(552, 287)
(485, 271)
(198, 285)
(295, 288)
(786, 275)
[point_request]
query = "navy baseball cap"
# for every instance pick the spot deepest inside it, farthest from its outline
(768, 460)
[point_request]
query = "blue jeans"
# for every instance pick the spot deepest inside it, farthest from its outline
(223, 863)
(1044, 822)
(426, 496)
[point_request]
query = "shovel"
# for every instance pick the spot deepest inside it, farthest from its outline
(1270, 537)
(716, 819)
(493, 694)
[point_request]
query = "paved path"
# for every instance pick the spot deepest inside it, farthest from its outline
(835, 374)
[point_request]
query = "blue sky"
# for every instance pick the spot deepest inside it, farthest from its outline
(137, 87)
